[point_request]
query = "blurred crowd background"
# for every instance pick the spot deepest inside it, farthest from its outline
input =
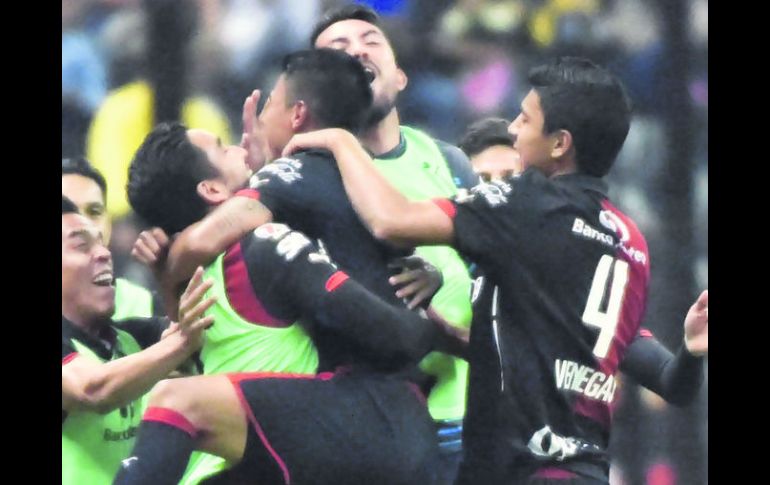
(128, 64)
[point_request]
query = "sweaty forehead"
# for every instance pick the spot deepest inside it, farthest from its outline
(347, 29)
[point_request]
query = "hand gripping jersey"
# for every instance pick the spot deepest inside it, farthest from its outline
(563, 294)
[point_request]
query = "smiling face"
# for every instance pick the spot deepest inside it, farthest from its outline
(88, 291)
(367, 43)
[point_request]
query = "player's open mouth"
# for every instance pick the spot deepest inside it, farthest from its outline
(370, 75)
(105, 278)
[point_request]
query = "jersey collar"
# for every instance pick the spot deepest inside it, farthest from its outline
(396, 152)
(70, 331)
(584, 182)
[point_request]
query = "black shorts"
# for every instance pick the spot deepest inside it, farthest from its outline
(335, 429)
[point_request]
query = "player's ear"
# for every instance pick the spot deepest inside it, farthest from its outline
(299, 115)
(561, 143)
(401, 79)
(212, 191)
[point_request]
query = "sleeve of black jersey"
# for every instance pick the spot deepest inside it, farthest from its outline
(675, 378)
(66, 349)
(146, 331)
(493, 219)
(286, 187)
(460, 167)
(303, 279)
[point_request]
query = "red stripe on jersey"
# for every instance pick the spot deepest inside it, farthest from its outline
(643, 332)
(260, 432)
(240, 292)
(632, 249)
(446, 206)
(250, 193)
(68, 358)
(336, 280)
(171, 418)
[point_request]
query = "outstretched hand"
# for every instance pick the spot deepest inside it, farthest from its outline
(696, 326)
(192, 306)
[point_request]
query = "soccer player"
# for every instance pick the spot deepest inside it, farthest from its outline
(565, 287)
(107, 368)
(420, 168)
(85, 186)
(261, 421)
(490, 148)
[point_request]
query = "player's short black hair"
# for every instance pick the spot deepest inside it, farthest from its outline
(68, 207)
(332, 83)
(344, 12)
(485, 133)
(585, 99)
(163, 179)
(81, 166)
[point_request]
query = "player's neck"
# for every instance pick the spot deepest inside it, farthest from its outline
(384, 136)
(89, 326)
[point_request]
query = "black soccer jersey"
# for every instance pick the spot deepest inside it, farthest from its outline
(563, 295)
(306, 192)
(349, 325)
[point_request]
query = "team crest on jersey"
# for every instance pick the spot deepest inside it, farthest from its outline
(286, 169)
(495, 192)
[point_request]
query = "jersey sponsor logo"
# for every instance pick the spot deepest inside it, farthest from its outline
(583, 229)
(613, 222)
(593, 384)
(126, 434)
(285, 169)
(546, 443)
(271, 231)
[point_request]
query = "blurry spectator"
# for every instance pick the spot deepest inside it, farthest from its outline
(490, 149)
(151, 51)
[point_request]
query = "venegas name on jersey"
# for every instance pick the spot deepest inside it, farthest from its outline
(593, 384)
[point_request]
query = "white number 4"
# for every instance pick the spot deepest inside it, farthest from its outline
(606, 321)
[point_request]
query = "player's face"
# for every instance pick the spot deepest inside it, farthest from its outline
(496, 163)
(534, 146)
(368, 44)
(229, 160)
(88, 196)
(276, 118)
(87, 283)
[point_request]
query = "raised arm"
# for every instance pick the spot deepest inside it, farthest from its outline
(385, 211)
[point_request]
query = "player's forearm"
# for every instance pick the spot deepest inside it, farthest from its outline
(87, 386)
(202, 242)
(383, 209)
(676, 378)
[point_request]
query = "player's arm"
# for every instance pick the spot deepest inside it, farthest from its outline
(676, 378)
(383, 209)
(202, 242)
(324, 296)
(89, 385)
